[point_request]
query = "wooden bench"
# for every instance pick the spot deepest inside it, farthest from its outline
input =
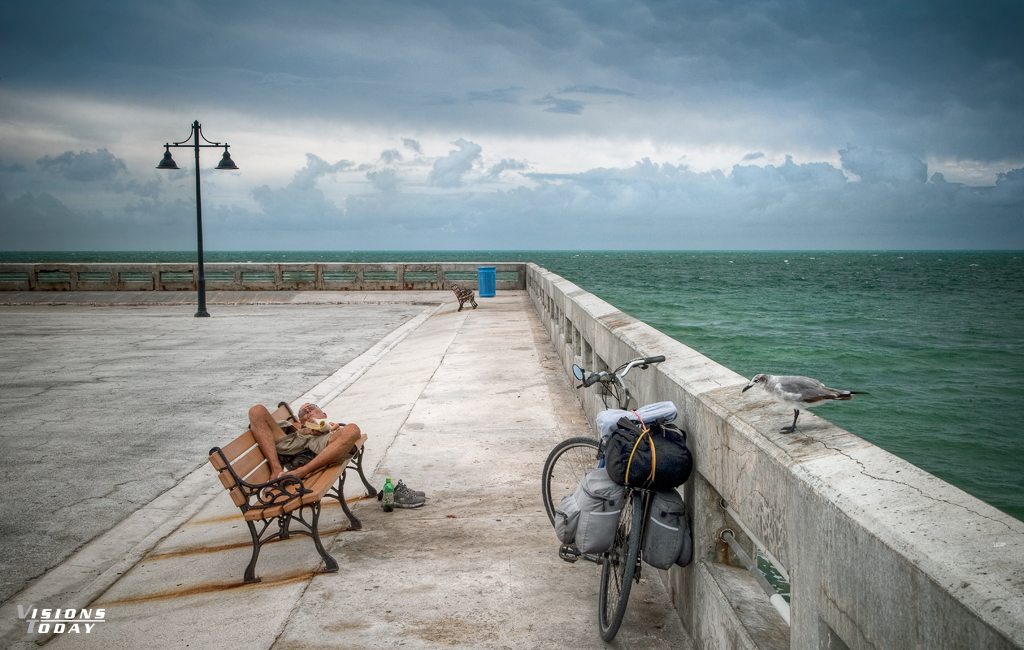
(245, 473)
(464, 296)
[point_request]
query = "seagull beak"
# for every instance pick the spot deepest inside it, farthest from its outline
(750, 385)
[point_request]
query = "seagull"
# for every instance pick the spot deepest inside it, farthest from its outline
(803, 392)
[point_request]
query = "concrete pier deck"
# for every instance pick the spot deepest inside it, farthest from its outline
(463, 405)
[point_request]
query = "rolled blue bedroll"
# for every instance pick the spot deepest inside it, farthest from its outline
(607, 420)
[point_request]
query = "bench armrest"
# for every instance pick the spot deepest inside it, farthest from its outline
(274, 492)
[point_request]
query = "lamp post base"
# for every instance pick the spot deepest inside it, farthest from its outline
(202, 313)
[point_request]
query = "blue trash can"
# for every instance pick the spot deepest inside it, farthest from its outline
(486, 279)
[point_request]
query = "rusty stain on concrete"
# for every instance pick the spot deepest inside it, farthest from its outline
(211, 587)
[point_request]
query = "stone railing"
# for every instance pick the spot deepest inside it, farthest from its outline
(878, 553)
(328, 276)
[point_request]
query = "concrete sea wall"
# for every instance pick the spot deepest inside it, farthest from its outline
(327, 276)
(878, 553)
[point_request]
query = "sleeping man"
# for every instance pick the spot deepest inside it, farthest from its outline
(285, 446)
(328, 442)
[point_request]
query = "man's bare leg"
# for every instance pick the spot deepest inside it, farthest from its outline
(340, 444)
(267, 432)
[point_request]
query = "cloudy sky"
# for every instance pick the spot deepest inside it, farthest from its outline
(519, 125)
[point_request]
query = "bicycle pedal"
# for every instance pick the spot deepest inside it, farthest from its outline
(569, 553)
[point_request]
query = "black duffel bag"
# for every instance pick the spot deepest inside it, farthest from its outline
(654, 458)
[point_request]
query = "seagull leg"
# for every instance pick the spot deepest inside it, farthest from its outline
(791, 428)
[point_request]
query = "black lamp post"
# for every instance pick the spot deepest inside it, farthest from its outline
(225, 163)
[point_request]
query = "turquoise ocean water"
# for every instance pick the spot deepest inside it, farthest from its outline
(936, 338)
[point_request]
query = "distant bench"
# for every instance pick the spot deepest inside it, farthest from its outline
(245, 472)
(464, 296)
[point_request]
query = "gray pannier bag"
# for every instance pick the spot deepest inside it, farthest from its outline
(667, 539)
(600, 503)
(567, 515)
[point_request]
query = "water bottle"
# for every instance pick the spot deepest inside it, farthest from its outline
(388, 502)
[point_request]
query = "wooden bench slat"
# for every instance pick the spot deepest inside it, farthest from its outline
(281, 413)
(244, 469)
(261, 475)
(226, 479)
(233, 449)
(237, 496)
(244, 465)
(321, 482)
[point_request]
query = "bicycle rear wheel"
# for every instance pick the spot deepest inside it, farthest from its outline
(619, 567)
(565, 467)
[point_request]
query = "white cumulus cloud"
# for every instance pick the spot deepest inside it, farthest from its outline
(448, 170)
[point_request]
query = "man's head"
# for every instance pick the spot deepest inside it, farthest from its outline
(309, 412)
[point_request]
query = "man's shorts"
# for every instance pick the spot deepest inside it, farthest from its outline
(296, 442)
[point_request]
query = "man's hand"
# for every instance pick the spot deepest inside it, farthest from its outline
(317, 432)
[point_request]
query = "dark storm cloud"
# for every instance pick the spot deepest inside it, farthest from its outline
(592, 90)
(502, 96)
(11, 169)
(30, 219)
(560, 105)
(873, 166)
(151, 188)
(30, 212)
(84, 166)
(936, 78)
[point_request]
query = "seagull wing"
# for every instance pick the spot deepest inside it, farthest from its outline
(806, 390)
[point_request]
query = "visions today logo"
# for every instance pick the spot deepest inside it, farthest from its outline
(60, 621)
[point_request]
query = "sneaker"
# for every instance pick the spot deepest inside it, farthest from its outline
(403, 486)
(404, 498)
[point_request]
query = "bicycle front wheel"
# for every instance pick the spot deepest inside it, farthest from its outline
(619, 567)
(565, 467)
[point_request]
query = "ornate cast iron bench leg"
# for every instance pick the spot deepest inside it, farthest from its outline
(354, 523)
(330, 564)
(250, 571)
(357, 463)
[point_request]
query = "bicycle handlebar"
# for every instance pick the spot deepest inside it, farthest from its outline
(614, 380)
(643, 362)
